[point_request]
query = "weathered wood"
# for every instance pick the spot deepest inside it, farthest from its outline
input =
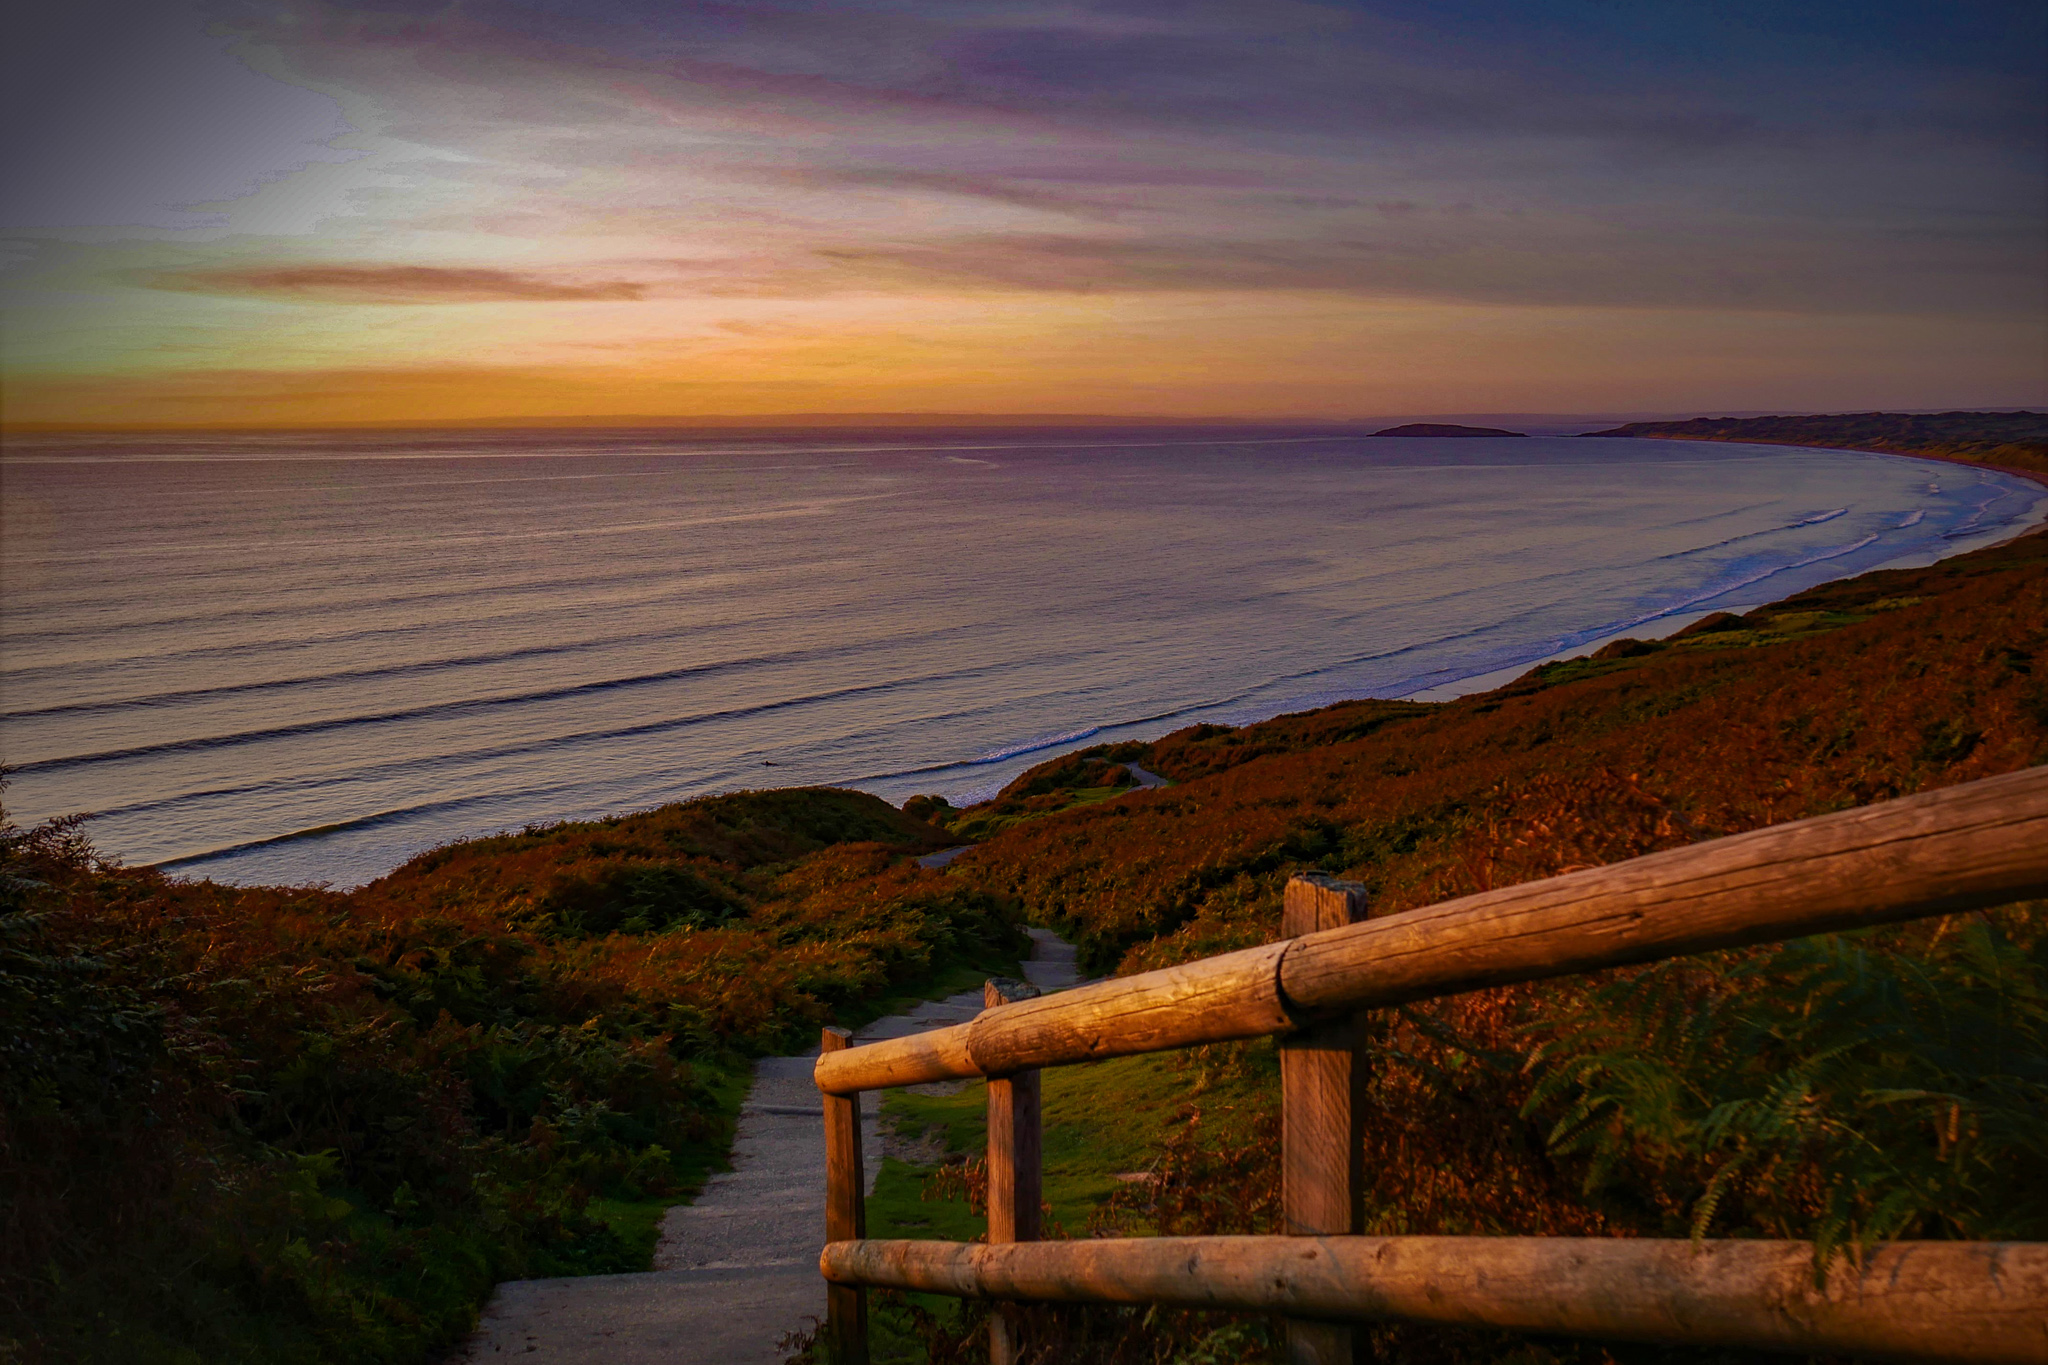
(1960, 848)
(1965, 847)
(1235, 995)
(938, 1054)
(1015, 1168)
(1322, 1146)
(1232, 996)
(1015, 1153)
(1006, 990)
(846, 1306)
(1936, 1301)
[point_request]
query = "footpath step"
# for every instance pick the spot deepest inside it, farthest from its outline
(738, 1268)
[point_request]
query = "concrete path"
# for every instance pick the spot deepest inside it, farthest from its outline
(737, 1269)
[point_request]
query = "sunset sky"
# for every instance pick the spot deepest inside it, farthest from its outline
(286, 214)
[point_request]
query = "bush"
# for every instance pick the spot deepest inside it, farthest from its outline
(318, 1127)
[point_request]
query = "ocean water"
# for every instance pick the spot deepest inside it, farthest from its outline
(299, 659)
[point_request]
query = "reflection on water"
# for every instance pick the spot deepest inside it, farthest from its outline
(303, 658)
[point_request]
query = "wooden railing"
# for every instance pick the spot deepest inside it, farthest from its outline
(1962, 848)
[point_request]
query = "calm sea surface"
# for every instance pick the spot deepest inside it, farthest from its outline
(301, 659)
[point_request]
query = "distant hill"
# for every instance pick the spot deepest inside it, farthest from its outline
(1445, 429)
(2012, 440)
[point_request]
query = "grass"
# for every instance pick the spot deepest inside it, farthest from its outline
(1102, 1120)
(637, 1222)
(1764, 626)
(1051, 803)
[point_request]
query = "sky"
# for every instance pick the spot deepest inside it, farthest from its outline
(274, 213)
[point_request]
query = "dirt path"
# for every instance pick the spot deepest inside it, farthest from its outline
(738, 1268)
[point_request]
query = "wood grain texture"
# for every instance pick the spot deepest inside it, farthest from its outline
(1322, 1146)
(1960, 848)
(938, 1055)
(846, 1306)
(1016, 1164)
(1232, 996)
(1983, 1302)
(1016, 1158)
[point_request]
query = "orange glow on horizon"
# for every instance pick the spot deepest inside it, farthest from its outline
(1146, 357)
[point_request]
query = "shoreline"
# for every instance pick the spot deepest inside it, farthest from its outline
(214, 862)
(1671, 625)
(2031, 475)
(2034, 476)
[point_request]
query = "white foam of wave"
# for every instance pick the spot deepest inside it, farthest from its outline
(1723, 589)
(1031, 746)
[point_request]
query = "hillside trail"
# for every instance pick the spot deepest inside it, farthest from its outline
(737, 1269)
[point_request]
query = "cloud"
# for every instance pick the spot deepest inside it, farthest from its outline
(996, 189)
(393, 284)
(859, 168)
(120, 115)
(1455, 254)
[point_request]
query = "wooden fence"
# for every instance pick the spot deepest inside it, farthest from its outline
(1962, 848)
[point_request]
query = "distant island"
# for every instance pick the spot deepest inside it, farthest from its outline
(2008, 440)
(1445, 429)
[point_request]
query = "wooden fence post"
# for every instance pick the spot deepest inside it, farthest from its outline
(1322, 1150)
(846, 1306)
(1015, 1168)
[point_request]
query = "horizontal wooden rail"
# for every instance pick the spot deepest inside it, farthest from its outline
(1961, 848)
(1948, 1301)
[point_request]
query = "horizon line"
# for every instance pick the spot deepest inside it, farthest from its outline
(797, 420)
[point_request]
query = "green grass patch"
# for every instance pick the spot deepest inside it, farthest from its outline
(637, 1222)
(1760, 628)
(975, 827)
(1101, 1120)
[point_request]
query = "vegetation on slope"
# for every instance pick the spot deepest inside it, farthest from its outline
(1850, 693)
(1844, 1089)
(2015, 440)
(293, 1125)
(297, 1125)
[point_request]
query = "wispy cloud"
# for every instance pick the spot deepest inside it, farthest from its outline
(393, 284)
(1458, 254)
(924, 191)
(1014, 191)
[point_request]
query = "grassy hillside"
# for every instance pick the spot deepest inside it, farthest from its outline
(288, 1124)
(1845, 1089)
(1850, 693)
(292, 1125)
(2014, 440)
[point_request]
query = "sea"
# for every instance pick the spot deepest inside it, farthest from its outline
(304, 658)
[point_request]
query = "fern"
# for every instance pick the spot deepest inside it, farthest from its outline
(1848, 1089)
